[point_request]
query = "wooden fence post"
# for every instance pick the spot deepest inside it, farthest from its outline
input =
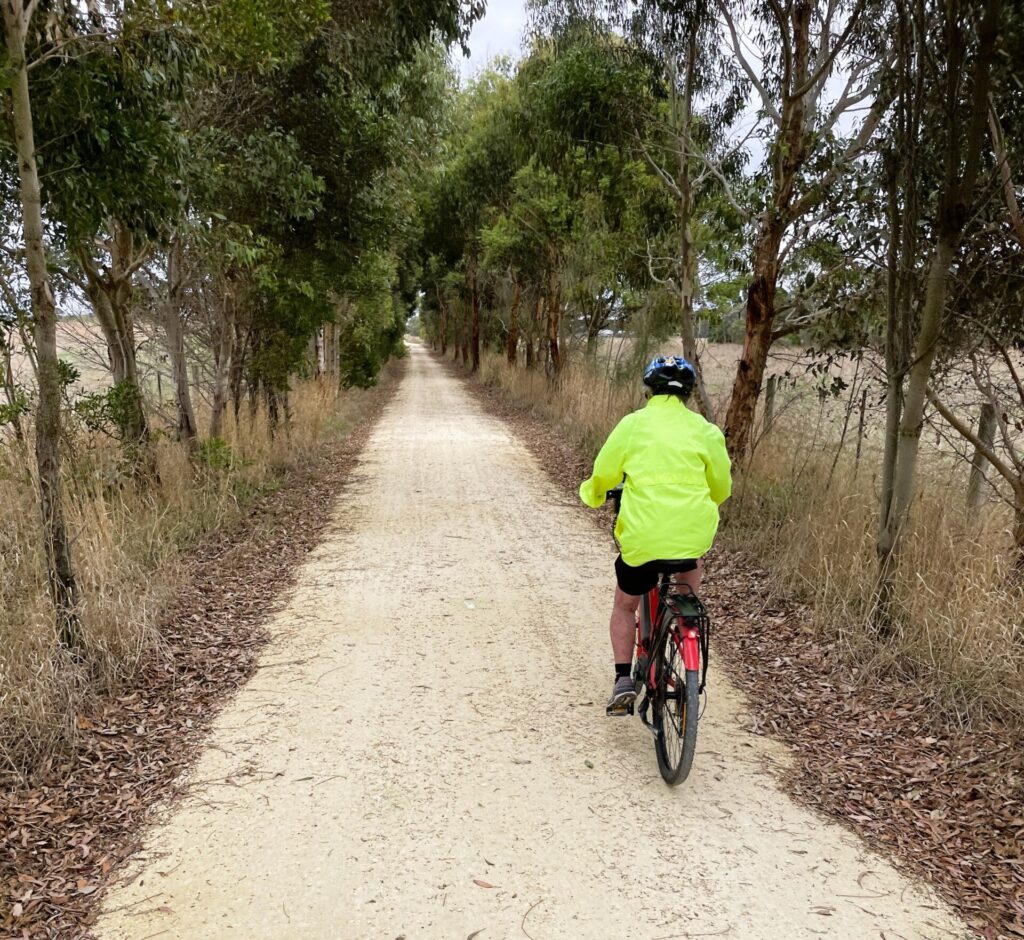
(860, 425)
(769, 402)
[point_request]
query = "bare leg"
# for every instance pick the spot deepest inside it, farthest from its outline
(692, 578)
(623, 625)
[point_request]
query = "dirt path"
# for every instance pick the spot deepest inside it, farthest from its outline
(424, 751)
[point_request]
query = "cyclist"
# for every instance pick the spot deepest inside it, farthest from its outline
(677, 474)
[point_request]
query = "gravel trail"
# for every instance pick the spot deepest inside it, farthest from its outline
(424, 750)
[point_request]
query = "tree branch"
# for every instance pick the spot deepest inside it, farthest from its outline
(821, 72)
(726, 187)
(769, 107)
(965, 431)
(983, 383)
(849, 99)
(663, 281)
(1004, 354)
(1009, 193)
(1014, 374)
(787, 45)
(86, 263)
(144, 255)
(817, 192)
(28, 13)
(667, 180)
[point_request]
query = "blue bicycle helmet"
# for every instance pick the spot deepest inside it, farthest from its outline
(670, 375)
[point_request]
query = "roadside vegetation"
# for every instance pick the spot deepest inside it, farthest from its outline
(210, 217)
(835, 189)
(220, 217)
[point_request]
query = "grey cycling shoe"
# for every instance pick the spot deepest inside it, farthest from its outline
(623, 697)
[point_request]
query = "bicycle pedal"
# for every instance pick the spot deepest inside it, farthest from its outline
(619, 711)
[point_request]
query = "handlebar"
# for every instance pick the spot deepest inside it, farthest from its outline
(615, 496)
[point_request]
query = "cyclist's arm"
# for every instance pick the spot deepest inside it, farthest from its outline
(717, 467)
(608, 467)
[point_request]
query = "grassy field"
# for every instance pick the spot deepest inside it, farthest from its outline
(80, 343)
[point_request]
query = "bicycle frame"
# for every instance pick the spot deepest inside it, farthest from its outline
(686, 636)
(689, 630)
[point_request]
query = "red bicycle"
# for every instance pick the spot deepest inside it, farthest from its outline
(670, 668)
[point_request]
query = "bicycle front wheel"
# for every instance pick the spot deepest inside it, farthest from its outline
(676, 709)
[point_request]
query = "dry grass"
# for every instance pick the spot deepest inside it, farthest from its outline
(125, 538)
(585, 405)
(960, 628)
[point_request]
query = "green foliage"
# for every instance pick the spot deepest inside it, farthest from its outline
(67, 374)
(371, 322)
(539, 188)
(587, 90)
(254, 35)
(261, 179)
(216, 454)
(11, 412)
(95, 412)
(109, 412)
(106, 115)
(303, 202)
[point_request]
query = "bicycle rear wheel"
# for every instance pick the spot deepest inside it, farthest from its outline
(676, 709)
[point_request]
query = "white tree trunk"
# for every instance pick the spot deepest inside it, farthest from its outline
(56, 546)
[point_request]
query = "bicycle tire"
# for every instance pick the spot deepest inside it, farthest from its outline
(675, 741)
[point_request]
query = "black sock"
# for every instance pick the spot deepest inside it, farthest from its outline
(623, 669)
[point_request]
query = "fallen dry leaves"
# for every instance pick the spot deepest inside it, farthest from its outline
(944, 803)
(63, 838)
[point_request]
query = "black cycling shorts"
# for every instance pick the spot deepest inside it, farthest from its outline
(637, 581)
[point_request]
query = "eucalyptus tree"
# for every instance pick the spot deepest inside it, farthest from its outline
(674, 113)
(304, 129)
(813, 138)
(510, 251)
(105, 107)
(23, 32)
(685, 39)
(543, 210)
(477, 166)
(956, 63)
(583, 90)
(240, 172)
(100, 94)
(569, 199)
(976, 351)
(360, 103)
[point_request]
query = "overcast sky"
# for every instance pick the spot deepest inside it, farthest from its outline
(498, 33)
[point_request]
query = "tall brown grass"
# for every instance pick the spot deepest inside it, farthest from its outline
(125, 538)
(585, 405)
(810, 519)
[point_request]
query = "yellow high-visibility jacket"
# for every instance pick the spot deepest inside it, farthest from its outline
(677, 475)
